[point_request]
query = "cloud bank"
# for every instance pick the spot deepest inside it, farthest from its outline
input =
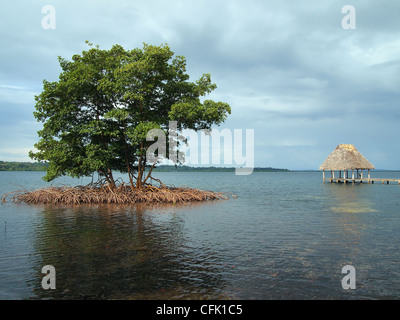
(288, 69)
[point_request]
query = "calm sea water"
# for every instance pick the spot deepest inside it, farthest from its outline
(286, 236)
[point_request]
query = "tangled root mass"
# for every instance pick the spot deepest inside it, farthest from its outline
(100, 193)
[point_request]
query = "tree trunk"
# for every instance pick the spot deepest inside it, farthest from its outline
(112, 181)
(141, 168)
(128, 167)
(139, 178)
(109, 177)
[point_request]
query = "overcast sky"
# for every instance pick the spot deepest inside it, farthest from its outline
(289, 69)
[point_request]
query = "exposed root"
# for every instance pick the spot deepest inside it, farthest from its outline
(98, 193)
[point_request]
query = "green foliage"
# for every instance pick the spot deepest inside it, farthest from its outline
(96, 117)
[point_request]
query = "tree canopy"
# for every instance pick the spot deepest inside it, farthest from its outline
(97, 116)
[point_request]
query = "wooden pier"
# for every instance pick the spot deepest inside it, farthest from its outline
(362, 180)
(346, 158)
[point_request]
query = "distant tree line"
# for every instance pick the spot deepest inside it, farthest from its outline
(167, 168)
(42, 166)
(23, 166)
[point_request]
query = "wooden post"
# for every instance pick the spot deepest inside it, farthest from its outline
(369, 174)
(323, 175)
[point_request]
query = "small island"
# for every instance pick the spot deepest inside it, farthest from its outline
(119, 110)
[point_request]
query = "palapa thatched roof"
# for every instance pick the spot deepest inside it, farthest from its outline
(346, 157)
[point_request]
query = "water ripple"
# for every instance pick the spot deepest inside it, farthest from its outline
(286, 236)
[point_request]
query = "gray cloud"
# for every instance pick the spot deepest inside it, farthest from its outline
(288, 69)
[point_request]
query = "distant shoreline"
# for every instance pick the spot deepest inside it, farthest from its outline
(22, 166)
(166, 168)
(39, 166)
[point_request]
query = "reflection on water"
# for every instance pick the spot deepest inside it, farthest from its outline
(121, 252)
(352, 207)
(365, 235)
(286, 236)
(351, 198)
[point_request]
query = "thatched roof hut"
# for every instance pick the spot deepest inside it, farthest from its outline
(346, 157)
